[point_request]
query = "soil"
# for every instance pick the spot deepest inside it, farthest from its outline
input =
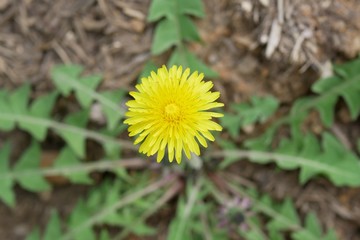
(112, 37)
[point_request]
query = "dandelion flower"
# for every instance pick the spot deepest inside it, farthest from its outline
(169, 113)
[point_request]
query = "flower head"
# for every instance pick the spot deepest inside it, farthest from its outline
(169, 112)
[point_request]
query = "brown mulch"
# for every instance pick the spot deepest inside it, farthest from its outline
(112, 37)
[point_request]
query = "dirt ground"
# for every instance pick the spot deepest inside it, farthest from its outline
(241, 41)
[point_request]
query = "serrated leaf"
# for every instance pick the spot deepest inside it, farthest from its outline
(287, 214)
(231, 123)
(331, 235)
(187, 59)
(113, 117)
(349, 69)
(182, 224)
(227, 145)
(346, 83)
(53, 228)
(34, 235)
(6, 192)
(188, 29)
(19, 99)
(104, 235)
(312, 224)
(147, 69)
(30, 160)
(113, 150)
(61, 74)
(312, 230)
(161, 8)
(261, 143)
(325, 84)
(259, 109)
(40, 108)
(88, 82)
(79, 215)
(352, 99)
(74, 140)
(170, 8)
(310, 149)
(84, 87)
(165, 36)
(192, 7)
(67, 158)
(326, 109)
(275, 235)
(341, 166)
(287, 147)
(6, 121)
(67, 78)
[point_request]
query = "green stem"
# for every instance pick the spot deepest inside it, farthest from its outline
(279, 158)
(99, 216)
(169, 194)
(184, 219)
(102, 165)
(61, 127)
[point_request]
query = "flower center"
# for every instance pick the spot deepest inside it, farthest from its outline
(172, 112)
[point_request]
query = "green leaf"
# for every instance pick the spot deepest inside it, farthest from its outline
(74, 140)
(326, 109)
(40, 108)
(165, 36)
(188, 29)
(30, 160)
(170, 8)
(104, 235)
(90, 82)
(192, 7)
(53, 229)
(258, 110)
(7, 122)
(113, 117)
(67, 78)
(311, 149)
(67, 158)
(182, 225)
(352, 99)
(79, 215)
(312, 230)
(325, 84)
(349, 69)
(288, 214)
(6, 193)
(34, 235)
(147, 69)
(346, 84)
(63, 74)
(19, 99)
(161, 8)
(187, 59)
(283, 218)
(332, 160)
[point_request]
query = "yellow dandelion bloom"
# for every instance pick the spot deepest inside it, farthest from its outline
(169, 111)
